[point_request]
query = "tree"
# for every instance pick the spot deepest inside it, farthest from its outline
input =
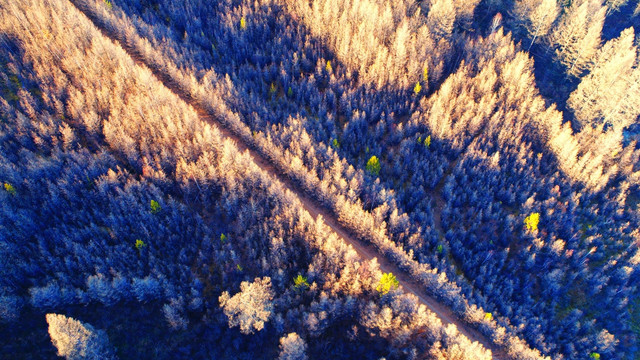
(155, 207)
(251, 307)
(387, 282)
(76, 340)
(577, 37)
(615, 5)
(292, 347)
(10, 189)
(441, 18)
(531, 222)
(536, 16)
(417, 88)
(373, 165)
(610, 93)
(300, 282)
(140, 244)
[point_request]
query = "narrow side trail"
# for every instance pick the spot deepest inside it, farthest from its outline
(366, 251)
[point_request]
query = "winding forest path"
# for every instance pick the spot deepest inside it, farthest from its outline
(365, 251)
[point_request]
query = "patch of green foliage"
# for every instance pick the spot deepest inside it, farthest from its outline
(10, 189)
(373, 165)
(531, 222)
(417, 88)
(300, 282)
(387, 282)
(140, 244)
(155, 207)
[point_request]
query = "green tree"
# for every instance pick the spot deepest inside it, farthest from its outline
(290, 92)
(140, 244)
(531, 222)
(387, 282)
(594, 355)
(223, 237)
(155, 207)
(335, 144)
(300, 282)
(417, 88)
(10, 189)
(427, 141)
(373, 165)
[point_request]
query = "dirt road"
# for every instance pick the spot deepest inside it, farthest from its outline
(366, 251)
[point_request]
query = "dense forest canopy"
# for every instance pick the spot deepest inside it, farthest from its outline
(351, 179)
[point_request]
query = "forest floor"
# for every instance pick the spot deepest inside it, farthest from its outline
(366, 251)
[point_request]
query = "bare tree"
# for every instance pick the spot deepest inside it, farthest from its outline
(251, 307)
(77, 341)
(292, 347)
(441, 18)
(536, 16)
(577, 37)
(610, 93)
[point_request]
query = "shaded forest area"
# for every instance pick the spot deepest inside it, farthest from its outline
(418, 124)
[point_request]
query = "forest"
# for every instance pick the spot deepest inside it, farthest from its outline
(294, 179)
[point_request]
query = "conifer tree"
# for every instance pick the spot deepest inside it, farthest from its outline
(536, 16)
(441, 18)
(577, 37)
(610, 93)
